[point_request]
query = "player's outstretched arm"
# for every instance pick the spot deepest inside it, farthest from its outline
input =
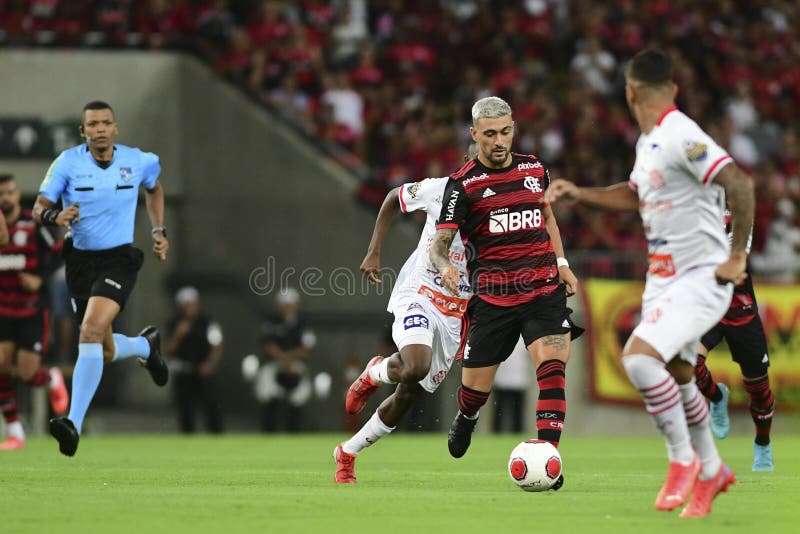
(565, 274)
(440, 258)
(741, 203)
(372, 261)
(617, 197)
(154, 199)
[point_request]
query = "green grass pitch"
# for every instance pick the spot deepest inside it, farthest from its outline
(406, 483)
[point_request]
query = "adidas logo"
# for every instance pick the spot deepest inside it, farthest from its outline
(488, 193)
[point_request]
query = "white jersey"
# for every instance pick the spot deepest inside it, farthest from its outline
(418, 275)
(682, 209)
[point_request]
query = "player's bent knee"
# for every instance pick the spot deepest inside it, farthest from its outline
(413, 372)
(416, 363)
(681, 370)
(92, 333)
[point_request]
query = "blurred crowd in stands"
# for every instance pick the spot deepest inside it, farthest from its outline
(387, 85)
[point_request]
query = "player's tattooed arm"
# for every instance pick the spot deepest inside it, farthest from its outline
(440, 248)
(739, 195)
(440, 258)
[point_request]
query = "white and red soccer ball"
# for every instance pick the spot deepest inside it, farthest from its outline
(534, 465)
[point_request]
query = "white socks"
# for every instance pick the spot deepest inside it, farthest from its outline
(380, 373)
(15, 430)
(696, 409)
(372, 431)
(662, 399)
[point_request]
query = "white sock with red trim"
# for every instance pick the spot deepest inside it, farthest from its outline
(372, 431)
(380, 373)
(15, 430)
(696, 409)
(662, 399)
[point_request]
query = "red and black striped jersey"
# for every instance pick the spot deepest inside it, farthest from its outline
(743, 306)
(30, 248)
(499, 213)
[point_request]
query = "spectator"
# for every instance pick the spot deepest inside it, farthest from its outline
(595, 65)
(283, 385)
(194, 340)
(781, 257)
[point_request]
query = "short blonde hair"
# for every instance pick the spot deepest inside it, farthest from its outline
(490, 107)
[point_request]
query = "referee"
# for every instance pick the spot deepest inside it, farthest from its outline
(98, 185)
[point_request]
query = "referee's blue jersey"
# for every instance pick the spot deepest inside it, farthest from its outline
(107, 197)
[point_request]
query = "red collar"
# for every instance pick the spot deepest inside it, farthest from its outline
(666, 112)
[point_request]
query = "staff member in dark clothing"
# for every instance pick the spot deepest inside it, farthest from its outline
(195, 341)
(284, 385)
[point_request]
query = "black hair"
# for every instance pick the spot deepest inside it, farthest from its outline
(651, 66)
(6, 177)
(97, 104)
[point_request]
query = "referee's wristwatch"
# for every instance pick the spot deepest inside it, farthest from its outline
(161, 229)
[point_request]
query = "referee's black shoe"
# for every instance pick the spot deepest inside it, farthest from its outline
(460, 435)
(155, 363)
(67, 435)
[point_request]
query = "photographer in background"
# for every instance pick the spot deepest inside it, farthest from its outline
(194, 340)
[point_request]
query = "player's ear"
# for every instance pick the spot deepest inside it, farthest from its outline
(630, 93)
(474, 133)
(80, 129)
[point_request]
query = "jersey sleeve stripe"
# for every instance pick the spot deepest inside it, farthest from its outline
(403, 206)
(446, 226)
(716, 167)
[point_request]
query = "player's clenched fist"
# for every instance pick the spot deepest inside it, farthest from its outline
(562, 190)
(68, 215)
(450, 279)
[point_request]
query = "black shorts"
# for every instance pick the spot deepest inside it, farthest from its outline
(492, 331)
(747, 343)
(107, 273)
(27, 332)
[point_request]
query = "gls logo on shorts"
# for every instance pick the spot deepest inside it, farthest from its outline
(415, 321)
(500, 223)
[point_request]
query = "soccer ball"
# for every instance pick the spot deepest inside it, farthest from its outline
(534, 465)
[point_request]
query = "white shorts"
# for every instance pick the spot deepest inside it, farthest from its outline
(675, 316)
(418, 322)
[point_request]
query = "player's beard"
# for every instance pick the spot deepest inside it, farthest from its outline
(497, 158)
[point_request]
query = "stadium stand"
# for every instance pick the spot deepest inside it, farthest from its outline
(385, 86)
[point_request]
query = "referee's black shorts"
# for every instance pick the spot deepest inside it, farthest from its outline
(492, 331)
(109, 273)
